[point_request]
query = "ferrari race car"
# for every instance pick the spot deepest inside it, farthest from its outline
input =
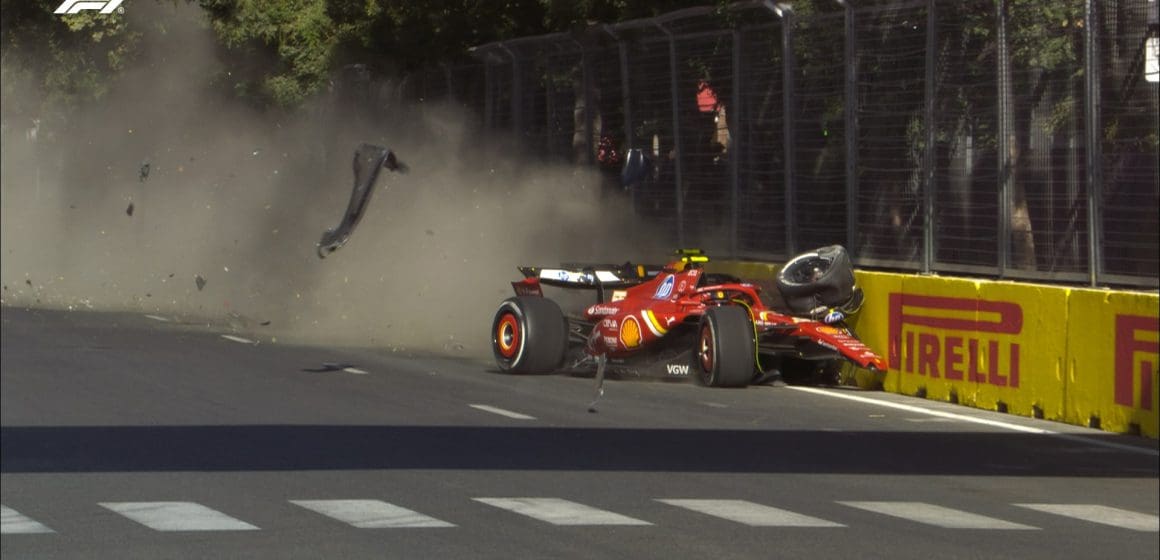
(679, 321)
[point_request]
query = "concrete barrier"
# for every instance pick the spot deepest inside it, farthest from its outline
(1081, 356)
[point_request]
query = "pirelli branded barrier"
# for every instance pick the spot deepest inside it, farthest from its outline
(1082, 356)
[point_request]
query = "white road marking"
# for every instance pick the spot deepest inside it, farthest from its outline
(238, 339)
(1102, 514)
(371, 514)
(749, 513)
(13, 522)
(354, 370)
(976, 420)
(501, 412)
(560, 512)
(158, 318)
(938, 516)
(178, 516)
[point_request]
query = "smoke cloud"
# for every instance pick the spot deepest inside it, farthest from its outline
(168, 198)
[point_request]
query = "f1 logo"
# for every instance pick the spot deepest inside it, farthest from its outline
(1137, 351)
(77, 6)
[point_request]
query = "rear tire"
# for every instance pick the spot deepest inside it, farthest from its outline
(725, 352)
(529, 335)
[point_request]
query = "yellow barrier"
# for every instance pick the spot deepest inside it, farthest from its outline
(1086, 357)
(1112, 362)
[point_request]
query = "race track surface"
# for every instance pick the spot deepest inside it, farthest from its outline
(124, 436)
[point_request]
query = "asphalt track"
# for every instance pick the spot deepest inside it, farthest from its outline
(124, 436)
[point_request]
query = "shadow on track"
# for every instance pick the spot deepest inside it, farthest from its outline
(307, 447)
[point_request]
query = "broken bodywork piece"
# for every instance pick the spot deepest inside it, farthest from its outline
(368, 161)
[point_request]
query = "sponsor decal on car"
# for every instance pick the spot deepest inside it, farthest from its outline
(677, 369)
(665, 289)
(618, 295)
(630, 335)
(603, 310)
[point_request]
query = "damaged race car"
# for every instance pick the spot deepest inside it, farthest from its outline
(680, 321)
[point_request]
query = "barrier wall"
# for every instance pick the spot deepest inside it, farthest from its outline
(1081, 356)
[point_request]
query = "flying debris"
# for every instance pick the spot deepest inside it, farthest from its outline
(369, 160)
(129, 210)
(143, 173)
(329, 366)
(199, 281)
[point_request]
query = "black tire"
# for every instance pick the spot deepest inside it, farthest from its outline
(832, 285)
(529, 335)
(725, 351)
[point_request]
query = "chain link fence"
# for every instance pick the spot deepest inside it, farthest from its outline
(1002, 138)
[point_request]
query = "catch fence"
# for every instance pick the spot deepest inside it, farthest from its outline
(1002, 138)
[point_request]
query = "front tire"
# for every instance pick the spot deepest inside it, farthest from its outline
(529, 335)
(725, 355)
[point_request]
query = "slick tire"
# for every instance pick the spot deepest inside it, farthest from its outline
(833, 287)
(725, 352)
(529, 335)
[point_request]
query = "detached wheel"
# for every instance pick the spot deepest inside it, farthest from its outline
(529, 335)
(725, 352)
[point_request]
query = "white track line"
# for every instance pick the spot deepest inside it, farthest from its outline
(238, 339)
(501, 412)
(1105, 515)
(157, 318)
(749, 513)
(354, 370)
(178, 516)
(13, 522)
(560, 512)
(976, 420)
(371, 514)
(938, 516)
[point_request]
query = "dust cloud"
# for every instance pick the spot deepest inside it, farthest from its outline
(168, 198)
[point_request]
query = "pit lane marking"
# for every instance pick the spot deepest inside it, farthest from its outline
(560, 512)
(371, 514)
(1103, 515)
(13, 522)
(501, 412)
(976, 420)
(938, 516)
(749, 513)
(177, 516)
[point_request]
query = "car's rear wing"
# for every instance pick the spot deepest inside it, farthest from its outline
(590, 276)
(599, 277)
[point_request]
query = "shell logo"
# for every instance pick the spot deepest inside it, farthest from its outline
(630, 332)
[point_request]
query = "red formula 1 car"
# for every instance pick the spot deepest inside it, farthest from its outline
(679, 321)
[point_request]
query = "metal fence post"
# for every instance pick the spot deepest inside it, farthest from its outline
(733, 122)
(1093, 155)
(488, 96)
(586, 79)
(517, 93)
(851, 110)
(625, 89)
(785, 12)
(676, 135)
(1004, 147)
(929, 152)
